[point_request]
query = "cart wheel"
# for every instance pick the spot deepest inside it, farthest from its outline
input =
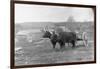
(85, 39)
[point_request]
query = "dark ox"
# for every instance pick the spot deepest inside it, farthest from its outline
(61, 38)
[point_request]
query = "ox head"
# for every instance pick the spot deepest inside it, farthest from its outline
(47, 34)
(52, 35)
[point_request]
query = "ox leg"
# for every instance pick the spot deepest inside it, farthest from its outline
(73, 43)
(62, 44)
(53, 43)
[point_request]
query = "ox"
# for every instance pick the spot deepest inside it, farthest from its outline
(61, 38)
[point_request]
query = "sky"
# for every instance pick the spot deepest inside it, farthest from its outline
(42, 13)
